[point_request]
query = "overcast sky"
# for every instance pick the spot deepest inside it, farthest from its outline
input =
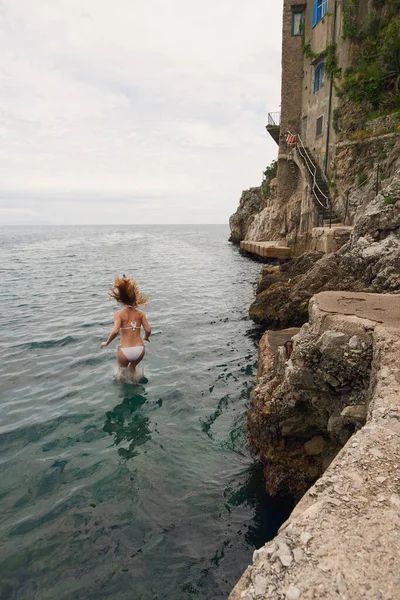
(129, 111)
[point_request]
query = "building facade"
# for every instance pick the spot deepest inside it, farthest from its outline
(312, 48)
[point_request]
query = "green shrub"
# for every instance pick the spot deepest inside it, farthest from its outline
(335, 119)
(390, 200)
(362, 178)
(271, 171)
(331, 66)
(374, 73)
(269, 174)
(349, 20)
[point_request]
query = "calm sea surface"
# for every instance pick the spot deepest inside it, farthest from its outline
(121, 491)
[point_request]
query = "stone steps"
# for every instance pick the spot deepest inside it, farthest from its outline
(272, 249)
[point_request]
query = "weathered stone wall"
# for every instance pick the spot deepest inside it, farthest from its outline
(292, 76)
(327, 240)
(329, 30)
(314, 105)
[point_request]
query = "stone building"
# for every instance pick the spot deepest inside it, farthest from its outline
(333, 153)
(312, 45)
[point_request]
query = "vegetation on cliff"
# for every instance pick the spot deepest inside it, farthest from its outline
(269, 174)
(373, 77)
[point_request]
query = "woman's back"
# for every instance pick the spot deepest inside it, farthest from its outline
(131, 323)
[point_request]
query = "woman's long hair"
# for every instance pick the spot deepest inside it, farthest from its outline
(125, 291)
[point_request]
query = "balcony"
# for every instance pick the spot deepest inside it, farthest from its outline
(273, 126)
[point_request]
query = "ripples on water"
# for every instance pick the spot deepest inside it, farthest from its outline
(126, 492)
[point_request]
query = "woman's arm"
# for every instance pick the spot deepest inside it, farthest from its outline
(114, 331)
(146, 327)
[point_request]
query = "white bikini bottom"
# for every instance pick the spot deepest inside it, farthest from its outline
(133, 352)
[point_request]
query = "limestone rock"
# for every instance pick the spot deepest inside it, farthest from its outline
(249, 205)
(292, 593)
(372, 266)
(266, 281)
(315, 446)
(354, 414)
(278, 308)
(303, 411)
(300, 264)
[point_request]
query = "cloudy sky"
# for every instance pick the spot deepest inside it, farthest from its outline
(131, 111)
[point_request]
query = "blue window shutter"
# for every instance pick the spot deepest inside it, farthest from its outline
(319, 10)
(314, 14)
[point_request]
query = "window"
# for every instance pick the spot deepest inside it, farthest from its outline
(318, 77)
(318, 129)
(319, 9)
(297, 19)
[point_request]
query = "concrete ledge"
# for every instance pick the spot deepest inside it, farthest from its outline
(329, 239)
(272, 249)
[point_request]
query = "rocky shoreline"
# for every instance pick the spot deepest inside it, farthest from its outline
(368, 262)
(326, 421)
(324, 417)
(343, 538)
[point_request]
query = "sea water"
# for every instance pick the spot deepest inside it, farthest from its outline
(121, 491)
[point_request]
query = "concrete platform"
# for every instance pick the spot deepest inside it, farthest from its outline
(381, 308)
(272, 249)
(329, 239)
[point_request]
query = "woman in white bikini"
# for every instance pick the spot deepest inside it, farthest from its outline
(127, 322)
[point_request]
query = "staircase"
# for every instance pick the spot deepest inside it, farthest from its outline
(319, 187)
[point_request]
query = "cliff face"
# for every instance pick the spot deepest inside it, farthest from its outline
(328, 416)
(277, 220)
(250, 205)
(274, 219)
(304, 410)
(364, 167)
(339, 388)
(369, 262)
(361, 169)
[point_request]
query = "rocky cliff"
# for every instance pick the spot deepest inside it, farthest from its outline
(250, 204)
(325, 420)
(369, 262)
(361, 168)
(341, 386)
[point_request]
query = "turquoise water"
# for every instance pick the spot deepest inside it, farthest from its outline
(121, 491)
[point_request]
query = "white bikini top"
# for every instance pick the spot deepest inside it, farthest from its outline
(131, 325)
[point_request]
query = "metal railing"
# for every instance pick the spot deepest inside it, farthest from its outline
(274, 119)
(325, 201)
